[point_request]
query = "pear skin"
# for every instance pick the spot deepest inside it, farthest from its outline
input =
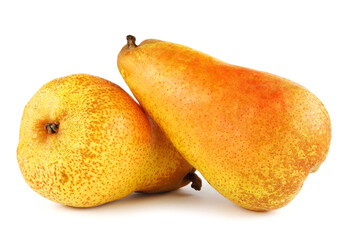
(85, 142)
(254, 136)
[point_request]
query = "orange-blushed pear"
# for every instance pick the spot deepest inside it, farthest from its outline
(254, 136)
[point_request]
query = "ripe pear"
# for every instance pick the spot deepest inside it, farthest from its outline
(84, 142)
(254, 136)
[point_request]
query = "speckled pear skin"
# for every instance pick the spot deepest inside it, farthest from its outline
(254, 136)
(104, 149)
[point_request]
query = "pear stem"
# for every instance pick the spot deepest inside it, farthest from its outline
(196, 182)
(52, 127)
(131, 42)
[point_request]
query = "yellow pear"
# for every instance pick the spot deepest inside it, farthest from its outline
(254, 136)
(84, 142)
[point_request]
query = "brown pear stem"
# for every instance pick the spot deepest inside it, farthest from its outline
(52, 127)
(196, 182)
(131, 41)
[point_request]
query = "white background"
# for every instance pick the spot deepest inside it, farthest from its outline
(43, 40)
